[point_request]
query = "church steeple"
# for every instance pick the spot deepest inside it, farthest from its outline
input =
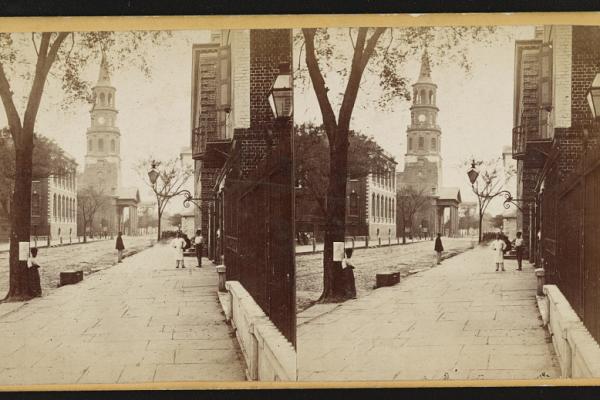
(425, 73)
(103, 75)
(424, 136)
(102, 160)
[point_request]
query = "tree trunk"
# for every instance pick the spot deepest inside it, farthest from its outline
(333, 289)
(480, 225)
(20, 219)
(158, 227)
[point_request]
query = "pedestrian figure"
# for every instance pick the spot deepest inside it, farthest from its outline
(439, 248)
(33, 274)
(120, 247)
(198, 243)
(349, 283)
(498, 247)
(519, 249)
(178, 244)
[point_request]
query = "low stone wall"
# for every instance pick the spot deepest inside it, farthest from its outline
(577, 351)
(268, 354)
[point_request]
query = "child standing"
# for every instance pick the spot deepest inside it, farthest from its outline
(498, 247)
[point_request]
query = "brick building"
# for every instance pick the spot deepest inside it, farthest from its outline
(555, 143)
(243, 165)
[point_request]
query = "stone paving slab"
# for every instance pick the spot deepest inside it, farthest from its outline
(461, 320)
(140, 321)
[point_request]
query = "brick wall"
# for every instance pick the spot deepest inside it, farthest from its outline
(585, 63)
(268, 48)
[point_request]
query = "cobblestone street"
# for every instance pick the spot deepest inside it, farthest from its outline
(139, 321)
(88, 257)
(406, 259)
(461, 320)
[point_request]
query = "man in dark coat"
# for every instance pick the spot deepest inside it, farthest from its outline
(120, 247)
(439, 248)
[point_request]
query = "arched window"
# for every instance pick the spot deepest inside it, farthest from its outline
(378, 207)
(110, 99)
(100, 144)
(54, 205)
(433, 144)
(393, 208)
(431, 97)
(64, 208)
(421, 143)
(112, 145)
(410, 144)
(423, 96)
(102, 99)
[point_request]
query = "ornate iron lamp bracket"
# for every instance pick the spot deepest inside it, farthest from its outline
(188, 198)
(509, 199)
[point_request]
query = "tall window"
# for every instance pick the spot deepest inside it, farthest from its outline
(410, 144)
(421, 143)
(102, 99)
(433, 144)
(90, 145)
(423, 96)
(110, 99)
(353, 203)
(54, 206)
(35, 204)
(112, 145)
(373, 210)
(100, 144)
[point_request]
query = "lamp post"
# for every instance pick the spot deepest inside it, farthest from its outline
(593, 96)
(280, 94)
(154, 174)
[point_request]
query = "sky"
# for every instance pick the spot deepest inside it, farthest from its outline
(154, 113)
(475, 108)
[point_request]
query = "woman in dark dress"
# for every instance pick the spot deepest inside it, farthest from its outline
(33, 274)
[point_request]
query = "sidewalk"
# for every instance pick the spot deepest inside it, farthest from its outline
(138, 322)
(461, 320)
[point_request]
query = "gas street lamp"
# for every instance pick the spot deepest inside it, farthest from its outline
(473, 174)
(154, 174)
(280, 94)
(593, 96)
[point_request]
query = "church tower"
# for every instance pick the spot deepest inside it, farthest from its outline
(102, 160)
(423, 162)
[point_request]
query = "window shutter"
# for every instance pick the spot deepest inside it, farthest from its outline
(223, 89)
(546, 77)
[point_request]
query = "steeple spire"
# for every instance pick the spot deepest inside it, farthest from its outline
(103, 75)
(425, 73)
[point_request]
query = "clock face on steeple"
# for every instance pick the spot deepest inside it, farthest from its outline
(101, 120)
(422, 118)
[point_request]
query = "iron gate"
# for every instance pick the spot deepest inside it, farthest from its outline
(578, 245)
(259, 236)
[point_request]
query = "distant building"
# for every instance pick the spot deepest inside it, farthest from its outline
(370, 206)
(53, 208)
(509, 216)
(423, 162)
(102, 169)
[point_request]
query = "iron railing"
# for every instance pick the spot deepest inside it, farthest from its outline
(199, 139)
(519, 141)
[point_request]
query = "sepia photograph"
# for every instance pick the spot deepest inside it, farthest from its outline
(299, 202)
